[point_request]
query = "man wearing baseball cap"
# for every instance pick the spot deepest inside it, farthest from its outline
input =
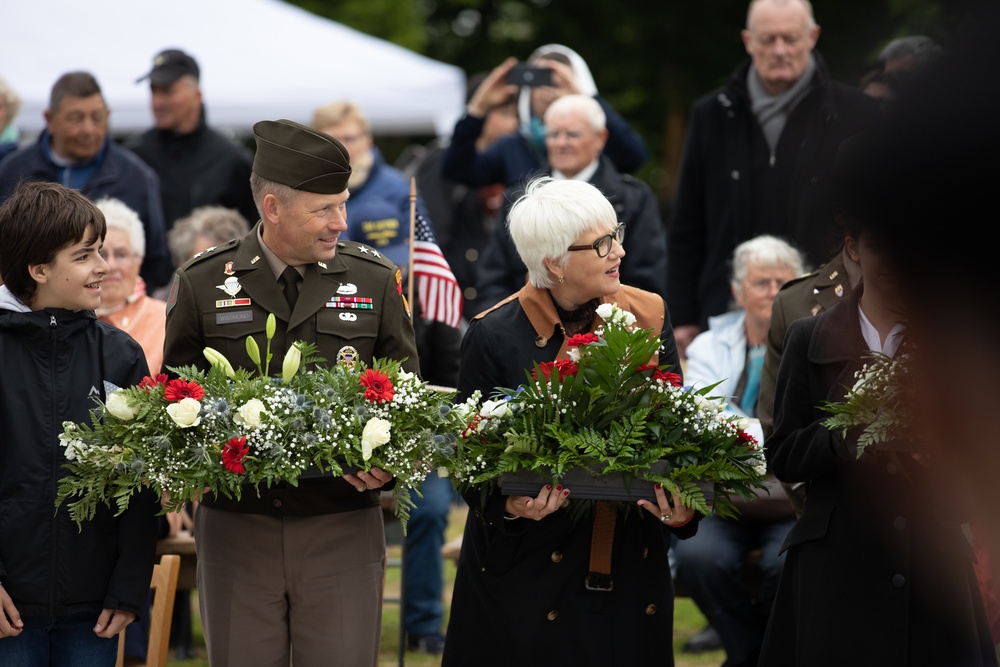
(197, 166)
(294, 572)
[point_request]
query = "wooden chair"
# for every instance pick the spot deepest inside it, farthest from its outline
(164, 585)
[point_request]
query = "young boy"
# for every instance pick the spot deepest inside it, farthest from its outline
(65, 592)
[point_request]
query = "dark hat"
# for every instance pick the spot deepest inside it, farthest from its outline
(300, 157)
(170, 65)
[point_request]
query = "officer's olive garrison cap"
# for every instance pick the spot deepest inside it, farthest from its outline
(300, 157)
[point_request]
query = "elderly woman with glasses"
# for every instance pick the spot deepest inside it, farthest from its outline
(521, 595)
(124, 303)
(730, 354)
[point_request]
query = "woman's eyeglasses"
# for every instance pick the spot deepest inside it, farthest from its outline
(603, 244)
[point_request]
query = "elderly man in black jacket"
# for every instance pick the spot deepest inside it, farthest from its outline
(757, 160)
(575, 135)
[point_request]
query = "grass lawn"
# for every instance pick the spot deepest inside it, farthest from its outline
(688, 621)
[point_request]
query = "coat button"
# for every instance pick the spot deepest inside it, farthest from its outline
(898, 580)
(541, 341)
(645, 552)
(552, 615)
(556, 556)
(735, 174)
(276, 503)
(899, 523)
(650, 609)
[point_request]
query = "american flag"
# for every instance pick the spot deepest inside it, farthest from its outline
(438, 292)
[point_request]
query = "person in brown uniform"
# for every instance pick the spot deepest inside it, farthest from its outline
(294, 572)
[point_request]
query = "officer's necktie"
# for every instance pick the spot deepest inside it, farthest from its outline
(289, 280)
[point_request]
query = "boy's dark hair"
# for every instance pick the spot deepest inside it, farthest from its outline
(36, 222)
(72, 84)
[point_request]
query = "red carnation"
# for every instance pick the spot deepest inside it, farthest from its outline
(747, 439)
(378, 387)
(150, 383)
(233, 453)
(178, 389)
(668, 377)
(579, 340)
(563, 368)
(646, 367)
(545, 367)
(566, 368)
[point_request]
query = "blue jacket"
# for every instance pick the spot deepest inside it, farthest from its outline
(118, 173)
(378, 212)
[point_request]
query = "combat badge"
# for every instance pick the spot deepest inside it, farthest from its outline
(347, 356)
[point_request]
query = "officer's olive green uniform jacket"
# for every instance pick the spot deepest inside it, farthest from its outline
(201, 312)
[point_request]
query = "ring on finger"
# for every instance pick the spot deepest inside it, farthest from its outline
(665, 517)
(364, 488)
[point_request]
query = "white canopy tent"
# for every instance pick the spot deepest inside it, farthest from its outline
(259, 59)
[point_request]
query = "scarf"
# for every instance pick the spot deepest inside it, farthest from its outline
(772, 111)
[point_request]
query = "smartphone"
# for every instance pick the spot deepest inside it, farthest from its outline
(522, 74)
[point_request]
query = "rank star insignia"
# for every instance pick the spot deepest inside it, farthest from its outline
(375, 252)
(363, 249)
(231, 286)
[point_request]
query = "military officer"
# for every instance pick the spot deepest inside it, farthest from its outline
(803, 297)
(294, 572)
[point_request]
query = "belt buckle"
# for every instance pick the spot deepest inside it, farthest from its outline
(598, 581)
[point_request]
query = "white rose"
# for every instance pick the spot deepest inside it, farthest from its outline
(376, 434)
(496, 408)
(185, 412)
(120, 407)
(251, 413)
(629, 318)
(605, 311)
(743, 423)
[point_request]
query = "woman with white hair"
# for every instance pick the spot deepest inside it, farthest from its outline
(124, 302)
(521, 576)
(731, 353)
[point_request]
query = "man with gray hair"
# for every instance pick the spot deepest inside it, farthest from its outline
(575, 135)
(75, 150)
(757, 160)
